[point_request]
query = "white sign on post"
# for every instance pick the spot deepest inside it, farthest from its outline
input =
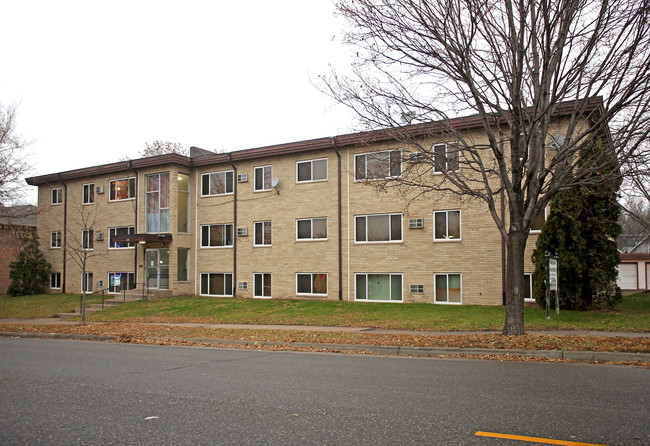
(552, 274)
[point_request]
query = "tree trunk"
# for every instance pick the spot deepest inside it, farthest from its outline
(515, 249)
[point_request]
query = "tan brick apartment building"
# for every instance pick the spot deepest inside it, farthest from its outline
(218, 224)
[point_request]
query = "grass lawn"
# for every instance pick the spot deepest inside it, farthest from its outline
(41, 305)
(633, 314)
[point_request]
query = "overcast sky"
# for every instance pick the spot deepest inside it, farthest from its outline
(94, 81)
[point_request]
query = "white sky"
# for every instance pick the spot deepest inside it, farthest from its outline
(94, 81)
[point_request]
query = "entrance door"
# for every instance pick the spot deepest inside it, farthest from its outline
(157, 268)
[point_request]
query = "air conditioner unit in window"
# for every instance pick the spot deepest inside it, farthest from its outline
(242, 232)
(417, 289)
(100, 283)
(416, 223)
(99, 237)
(242, 177)
(99, 189)
(416, 156)
(242, 285)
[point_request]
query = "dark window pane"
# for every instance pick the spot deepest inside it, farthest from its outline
(360, 229)
(378, 228)
(360, 287)
(453, 231)
(360, 167)
(319, 228)
(304, 171)
(304, 283)
(304, 229)
(319, 168)
(440, 225)
(395, 227)
(395, 287)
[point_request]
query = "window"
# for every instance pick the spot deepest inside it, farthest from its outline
(120, 281)
(262, 285)
(313, 170)
(263, 178)
(183, 263)
(378, 165)
(446, 225)
(122, 189)
(55, 280)
(157, 193)
(528, 287)
(87, 282)
(378, 228)
(262, 233)
(538, 222)
(217, 183)
(216, 284)
(312, 283)
(219, 235)
(88, 194)
(87, 236)
(122, 230)
(311, 229)
(445, 158)
(55, 239)
(378, 287)
(183, 205)
(57, 195)
(447, 288)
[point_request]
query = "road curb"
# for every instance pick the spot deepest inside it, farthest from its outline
(590, 356)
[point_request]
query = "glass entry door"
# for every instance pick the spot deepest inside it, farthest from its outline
(157, 268)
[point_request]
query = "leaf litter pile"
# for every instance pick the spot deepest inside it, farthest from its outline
(283, 339)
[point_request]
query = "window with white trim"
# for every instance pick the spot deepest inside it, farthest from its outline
(217, 183)
(311, 228)
(262, 288)
(122, 189)
(55, 239)
(262, 233)
(55, 281)
(120, 230)
(88, 196)
(538, 222)
(445, 158)
(87, 239)
(183, 264)
(57, 195)
(216, 236)
(378, 228)
(311, 284)
(118, 281)
(216, 284)
(87, 282)
(446, 225)
(263, 175)
(447, 288)
(378, 165)
(378, 287)
(312, 170)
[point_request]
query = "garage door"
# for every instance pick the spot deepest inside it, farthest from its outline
(627, 276)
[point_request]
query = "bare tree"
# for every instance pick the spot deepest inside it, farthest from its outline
(12, 156)
(518, 66)
(158, 147)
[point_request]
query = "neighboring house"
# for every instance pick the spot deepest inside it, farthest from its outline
(295, 220)
(633, 243)
(15, 222)
(634, 271)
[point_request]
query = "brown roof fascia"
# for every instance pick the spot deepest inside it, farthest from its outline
(341, 141)
(634, 256)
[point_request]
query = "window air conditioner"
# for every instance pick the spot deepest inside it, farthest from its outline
(242, 178)
(99, 237)
(416, 223)
(100, 283)
(242, 232)
(417, 289)
(242, 285)
(99, 189)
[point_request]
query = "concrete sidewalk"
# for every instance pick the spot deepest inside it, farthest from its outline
(594, 333)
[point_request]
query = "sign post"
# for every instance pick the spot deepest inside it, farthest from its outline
(551, 284)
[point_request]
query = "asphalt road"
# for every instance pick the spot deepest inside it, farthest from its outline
(71, 392)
